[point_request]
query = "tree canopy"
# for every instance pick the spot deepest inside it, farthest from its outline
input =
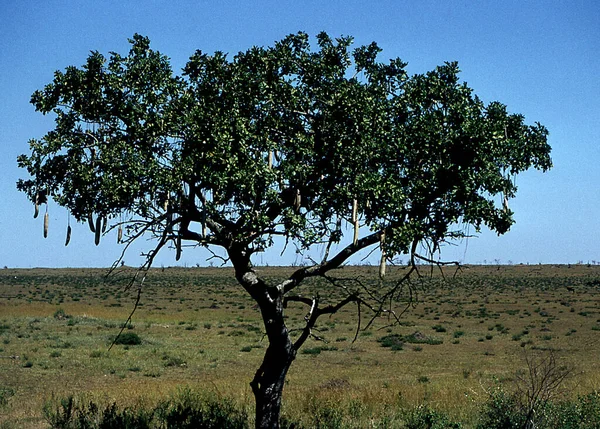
(282, 141)
(279, 141)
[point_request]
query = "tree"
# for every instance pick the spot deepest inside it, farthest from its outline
(284, 141)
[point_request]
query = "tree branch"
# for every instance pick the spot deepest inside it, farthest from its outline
(320, 269)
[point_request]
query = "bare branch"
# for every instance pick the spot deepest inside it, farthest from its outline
(320, 269)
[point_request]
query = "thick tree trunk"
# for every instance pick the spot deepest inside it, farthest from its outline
(269, 380)
(268, 383)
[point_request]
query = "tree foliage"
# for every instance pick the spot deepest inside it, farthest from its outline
(420, 154)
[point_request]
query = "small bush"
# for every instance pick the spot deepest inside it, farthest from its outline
(418, 338)
(170, 361)
(501, 411)
(317, 350)
(423, 417)
(128, 339)
(393, 341)
(190, 410)
(60, 314)
(327, 416)
(186, 410)
(439, 328)
(5, 394)
(69, 413)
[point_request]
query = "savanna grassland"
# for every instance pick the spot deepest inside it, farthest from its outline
(464, 337)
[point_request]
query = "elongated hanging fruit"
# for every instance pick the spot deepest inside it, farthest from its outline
(297, 200)
(46, 221)
(98, 230)
(505, 203)
(36, 212)
(68, 235)
(383, 256)
(355, 220)
(119, 234)
(91, 223)
(178, 250)
(270, 162)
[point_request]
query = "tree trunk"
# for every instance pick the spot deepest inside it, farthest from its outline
(267, 387)
(269, 380)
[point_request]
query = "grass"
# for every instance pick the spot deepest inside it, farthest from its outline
(197, 328)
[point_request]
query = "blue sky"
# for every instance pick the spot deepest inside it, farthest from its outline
(541, 58)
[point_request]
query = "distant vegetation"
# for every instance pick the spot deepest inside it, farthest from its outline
(460, 357)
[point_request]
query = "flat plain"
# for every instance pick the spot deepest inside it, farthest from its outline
(463, 336)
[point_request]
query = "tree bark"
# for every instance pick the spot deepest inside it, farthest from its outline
(269, 380)
(267, 384)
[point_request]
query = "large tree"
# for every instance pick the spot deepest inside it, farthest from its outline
(285, 141)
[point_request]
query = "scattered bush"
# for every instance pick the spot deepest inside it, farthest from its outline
(128, 339)
(317, 350)
(500, 412)
(70, 413)
(60, 314)
(439, 328)
(189, 409)
(5, 394)
(186, 410)
(424, 417)
(172, 360)
(393, 341)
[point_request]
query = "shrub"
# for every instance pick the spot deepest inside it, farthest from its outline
(69, 413)
(60, 314)
(5, 394)
(317, 350)
(188, 410)
(172, 360)
(418, 338)
(423, 417)
(501, 411)
(393, 341)
(128, 339)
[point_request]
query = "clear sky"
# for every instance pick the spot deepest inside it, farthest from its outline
(540, 58)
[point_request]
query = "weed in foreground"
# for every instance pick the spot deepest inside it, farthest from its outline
(185, 410)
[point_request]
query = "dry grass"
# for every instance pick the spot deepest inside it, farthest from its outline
(199, 329)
